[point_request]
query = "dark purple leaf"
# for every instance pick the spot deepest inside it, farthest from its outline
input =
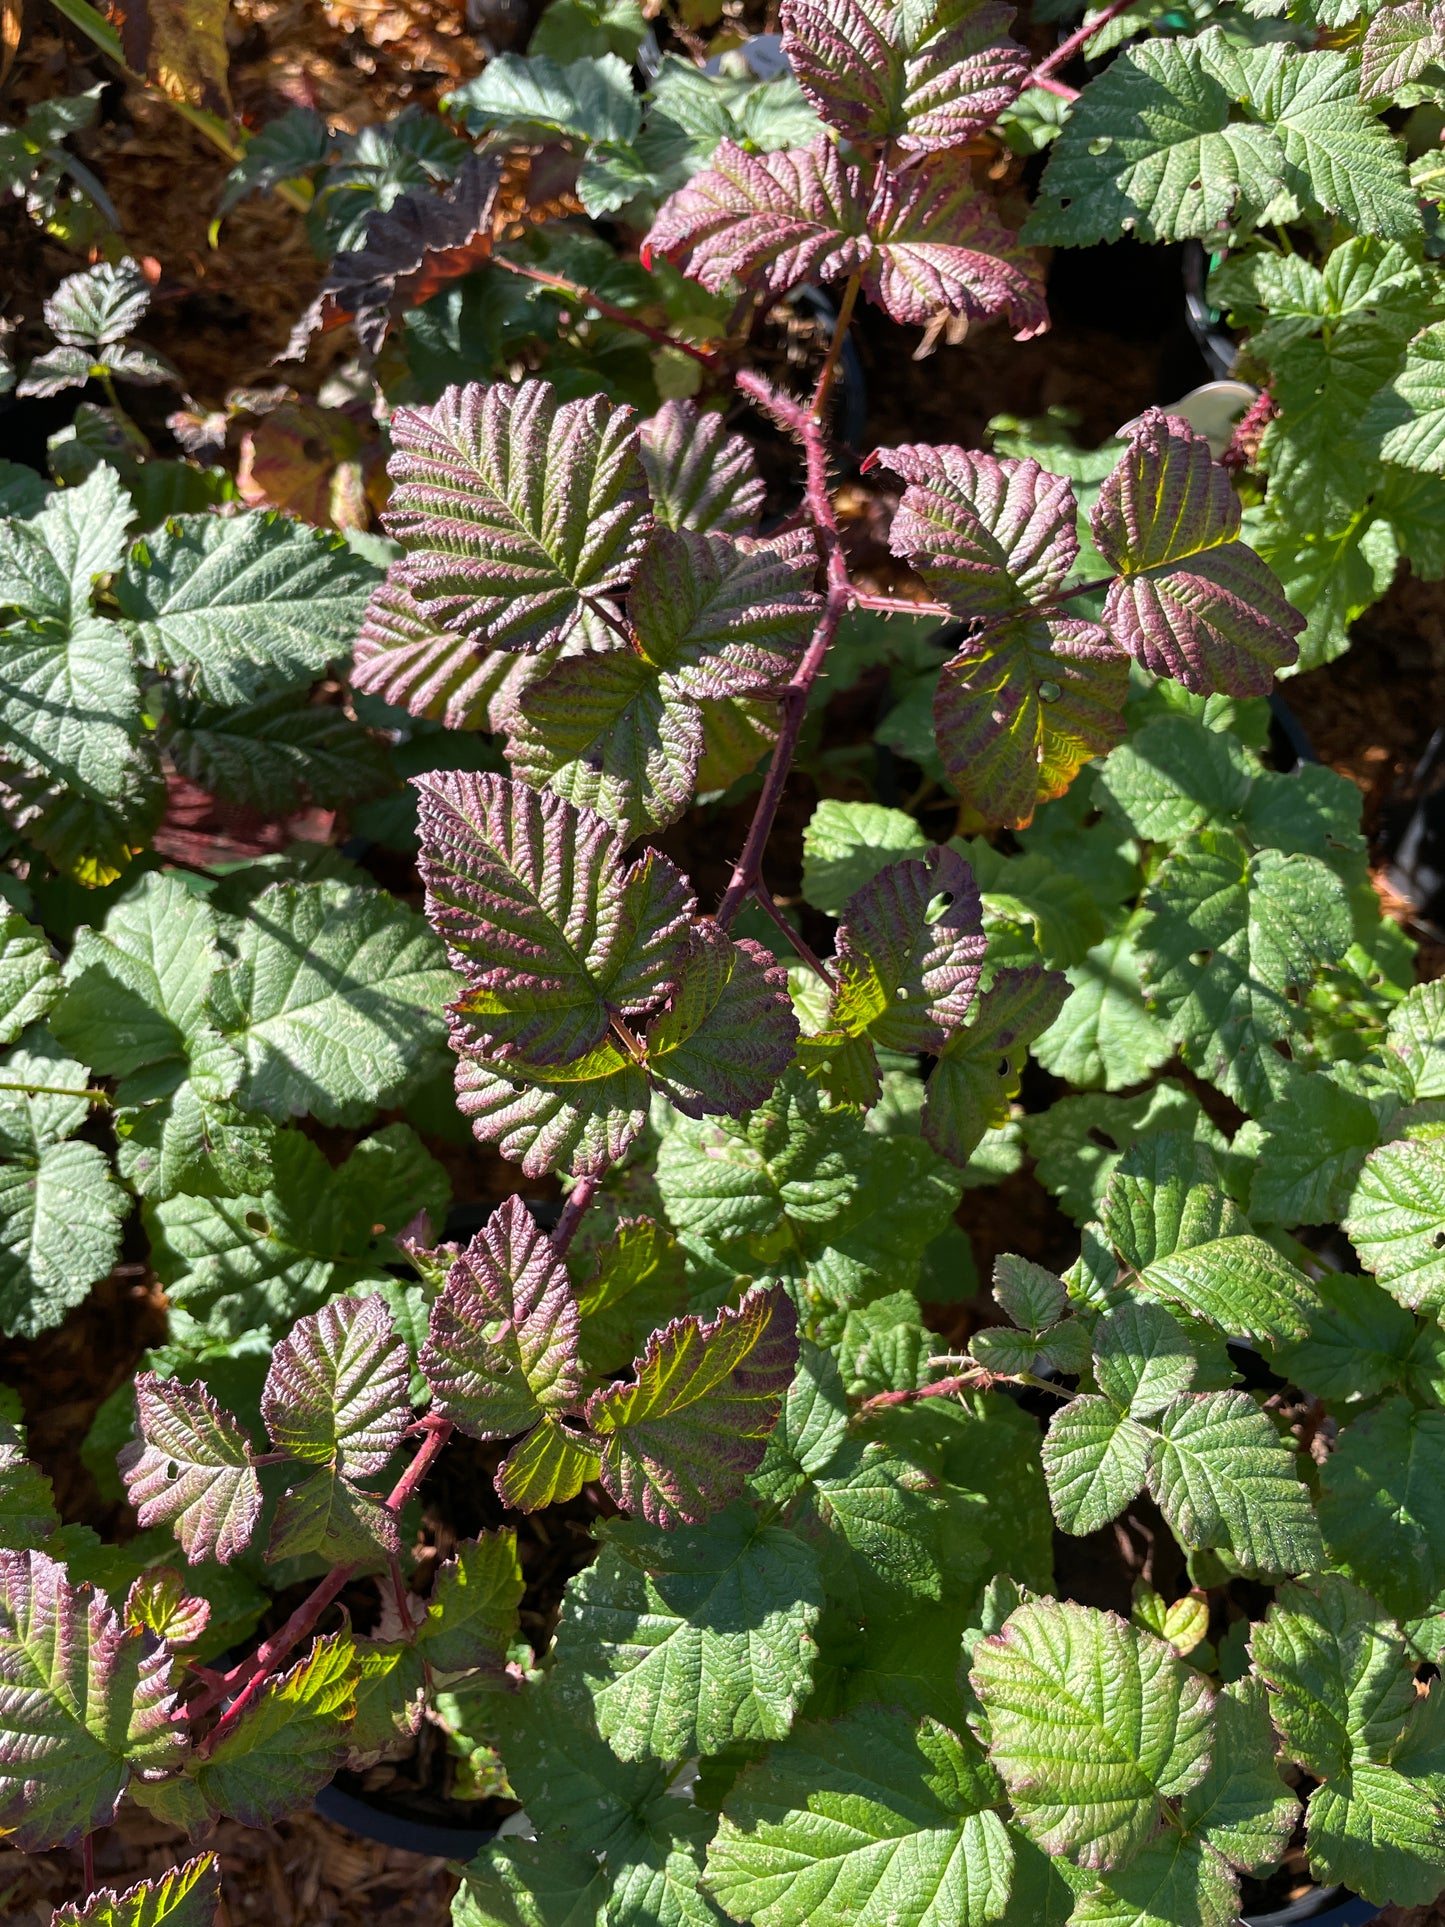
(978, 1069)
(906, 980)
(406, 658)
(577, 1117)
(727, 1032)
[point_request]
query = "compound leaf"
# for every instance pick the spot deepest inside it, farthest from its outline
(1096, 1458)
(1224, 1477)
(726, 1034)
(515, 507)
(1242, 1807)
(191, 1470)
(1093, 1724)
(678, 1441)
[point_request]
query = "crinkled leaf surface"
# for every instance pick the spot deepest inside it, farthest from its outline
(978, 1070)
(865, 1819)
(639, 1285)
(243, 604)
(908, 953)
(846, 844)
(1400, 43)
(1395, 1213)
(1224, 1477)
(501, 1346)
(49, 560)
(191, 1470)
(514, 507)
(1406, 420)
(84, 1699)
(472, 1614)
(288, 1742)
(27, 1504)
(699, 476)
(679, 1440)
(688, 1641)
(337, 1392)
(1092, 1724)
(1190, 600)
(187, 1896)
(413, 660)
(29, 976)
(1383, 1508)
(726, 1034)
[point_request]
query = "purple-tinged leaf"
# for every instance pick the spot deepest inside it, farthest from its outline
(988, 535)
(533, 899)
(471, 1618)
(84, 1702)
(515, 508)
(700, 476)
(331, 1517)
(552, 1463)
(907, 978)
(621, 732)
(678, 1442)
(159, 1603)
(922, 76)
(576, 1118)
(728, 1031)
(978, 1070)
(1400, 43)
(337, 1391)
(928, 242)
(407, 658)
(1190, 601)
(1020, 709)
(768, 220)
(27, 1504)
(191, 1470)
(288, 1742)
(501, 1347)
(186, 1896)
(940, 248)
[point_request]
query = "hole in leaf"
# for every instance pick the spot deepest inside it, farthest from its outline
(937, 905)
(1003, 1067)
(173, 1471)
(258, 1222)
(1101, 1138)
(1201, 958)
(1100, 144)
(1438, 1240)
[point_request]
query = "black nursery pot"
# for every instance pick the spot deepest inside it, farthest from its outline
(1325, 1907)
(392, 1829)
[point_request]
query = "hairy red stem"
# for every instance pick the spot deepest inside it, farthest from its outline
(706, 356)
(1065, 51)
(801, 422)
(896, 605)
(578, 1199)
(942, 1388)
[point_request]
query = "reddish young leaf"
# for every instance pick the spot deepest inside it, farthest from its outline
(700, 476)
(987, 535)
(534, 902)
(423, 240)
(1191, 601)
(337, 1391)
(678, 1442)
(922, 76)
(159, 1603)
(84, 1702)
(727, 1032)
(329, 1516)
(978, 1069)
(191, 1470)
(1020, 709)
(501, 1346)
(577, 1117)
(406, 658)
(514, 507)
(908, 979)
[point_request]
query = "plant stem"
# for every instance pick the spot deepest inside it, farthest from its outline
(804, 424)
(941, 1388)
(835, 346)
(1076, 42)
(706, 356)
(894, 605)
(763, 897)
(578, 1199)
(56, 1090)
(87, 1865)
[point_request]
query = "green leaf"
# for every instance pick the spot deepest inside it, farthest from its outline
(48, 563)
(550, 1464)
(472, 1614)
(1158, 147)
(334, 995)
(810, 1429)
(1174, 777)
(1359, 1343)
(1224, 1477)
(639, 1285)
(1341, 1686)
(1406, 421)
(1241, 1806)
(1105, 1037)
(1225, 939)
(271, 754)
(1095, 1458)
(1416, 1034)
(679, 1440)
(29, 976)
(288, 1742)
(845, 846)
(979, 1067)
(61, 1210)
(27, 1504)
(243, 604)
(1078, 1141)
(1173, 1879)
(390, 1682)
(1142, 1359)
(1313, 1145)
(1394, 1220)
(686, 1642)
(526, 1883)
(1378, 1832)
(326, 1515)
(861, 1821)
(187, 1896)
(86, 1698)
(586, 29)
(1093, 1724)
(262, 1259)
(578, 1793)
(880, 1510)
(1383, 1509)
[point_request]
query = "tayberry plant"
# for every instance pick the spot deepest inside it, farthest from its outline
(826, 1664)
